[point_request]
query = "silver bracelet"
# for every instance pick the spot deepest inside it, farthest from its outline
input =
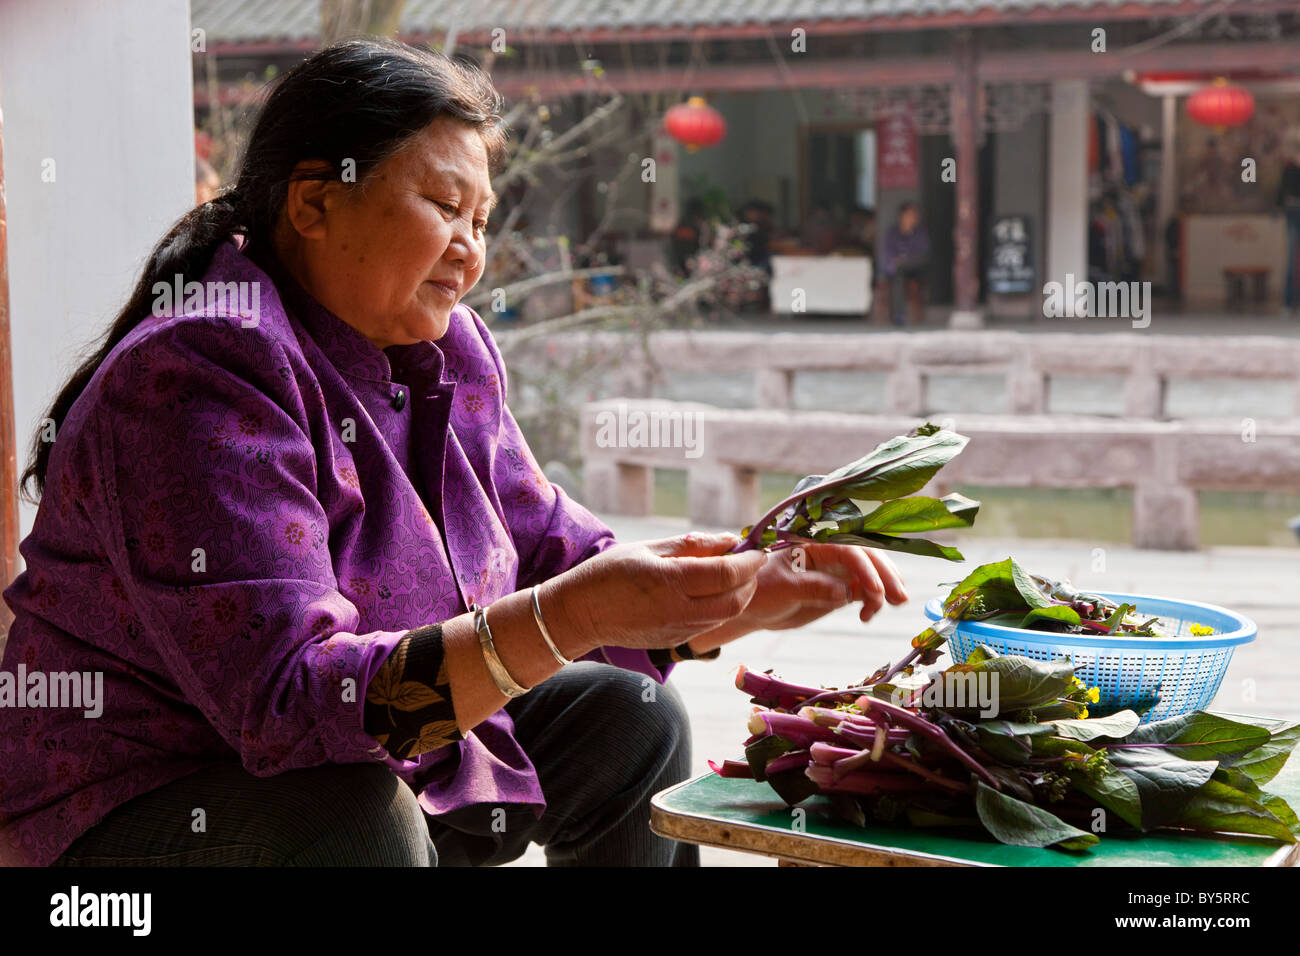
(505, 683)
(546, 635)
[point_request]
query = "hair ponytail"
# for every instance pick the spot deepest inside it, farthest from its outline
(360, 100)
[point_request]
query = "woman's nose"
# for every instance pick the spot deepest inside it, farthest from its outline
(463, 248)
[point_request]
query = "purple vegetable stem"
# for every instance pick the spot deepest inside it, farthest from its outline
(794, 760)
(862, 781)
(922, 726)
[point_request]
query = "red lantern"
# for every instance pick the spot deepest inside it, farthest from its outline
(1221, 104)
(695, 124)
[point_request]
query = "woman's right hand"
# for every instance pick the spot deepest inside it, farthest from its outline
(650, 594)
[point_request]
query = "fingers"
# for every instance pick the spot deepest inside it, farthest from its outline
(694, 544)
(895, 592)
(714, 609)
(875, 577)
(702, 577)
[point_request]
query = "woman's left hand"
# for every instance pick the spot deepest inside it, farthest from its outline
(800, 584)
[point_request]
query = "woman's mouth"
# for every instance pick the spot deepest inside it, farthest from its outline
(451, 290)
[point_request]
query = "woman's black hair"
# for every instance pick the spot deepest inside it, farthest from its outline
(351, 105)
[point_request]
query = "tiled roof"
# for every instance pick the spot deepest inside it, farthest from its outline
(237, 21)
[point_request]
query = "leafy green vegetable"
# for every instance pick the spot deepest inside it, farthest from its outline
(1024, 824)
(1022, 683)
(1054, 617)
(825, 508)
(1263, 763)
(1028, 774)
(1116, 792)
(1004, 593)
(1165, 781)
(1200, 736)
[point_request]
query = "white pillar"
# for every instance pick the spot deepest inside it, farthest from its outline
(1067, 186)
(99, 162)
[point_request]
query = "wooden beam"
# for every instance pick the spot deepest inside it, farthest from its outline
(992, 67)
(8, 444)
(1095, 12)
(1281, 56)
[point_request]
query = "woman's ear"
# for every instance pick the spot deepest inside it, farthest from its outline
(308, 202)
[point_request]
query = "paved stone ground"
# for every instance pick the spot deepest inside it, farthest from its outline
(1263, 583)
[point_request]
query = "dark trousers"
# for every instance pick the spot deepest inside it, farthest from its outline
(898, 284)
(603, 740)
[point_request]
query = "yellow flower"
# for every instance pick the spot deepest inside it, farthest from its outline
(1083, 714)
(1200, 630)
(1094, 695)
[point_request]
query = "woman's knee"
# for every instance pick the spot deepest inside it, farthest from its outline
(368, 817)
(636, 704)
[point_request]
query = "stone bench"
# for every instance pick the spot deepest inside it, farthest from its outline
(1026, 361)
(723, 452)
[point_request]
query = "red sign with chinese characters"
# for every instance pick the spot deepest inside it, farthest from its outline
(897, 153)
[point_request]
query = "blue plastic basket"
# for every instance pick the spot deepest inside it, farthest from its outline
(1158, 677)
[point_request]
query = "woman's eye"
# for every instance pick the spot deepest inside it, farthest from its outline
(450, 207)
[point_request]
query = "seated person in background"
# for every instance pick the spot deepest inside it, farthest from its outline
(757, 215)
(860, 237)
(904, 259)
(820, 233)
(689, 236)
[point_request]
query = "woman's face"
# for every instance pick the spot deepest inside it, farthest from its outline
(392, 255)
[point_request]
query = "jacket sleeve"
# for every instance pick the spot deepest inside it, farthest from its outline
(207, 507)
(551, 531)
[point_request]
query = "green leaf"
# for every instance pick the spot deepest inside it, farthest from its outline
(1028, 587)
(761, 751)
(792, 786)
(894, 468)
(1269, 801)
(1165, 781)
(1263, 763)
(1011, 782)
(1114, 791)
(997, 586)
(1117, 616)
(1019, 823)
(1057, 615)
(888, 542)
(1050, 745)
(1022, 683)
(994, 588)
(1007, 741)
(1200, 736)
(1118, 725)
(914, 514)
(1217, 806)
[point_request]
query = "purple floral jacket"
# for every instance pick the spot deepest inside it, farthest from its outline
(239, 524)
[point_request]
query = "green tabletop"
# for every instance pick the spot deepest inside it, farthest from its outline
(747, 815)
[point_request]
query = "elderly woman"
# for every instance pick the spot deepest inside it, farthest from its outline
(338, 614)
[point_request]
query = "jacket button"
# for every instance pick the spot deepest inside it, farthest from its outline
(399, 400)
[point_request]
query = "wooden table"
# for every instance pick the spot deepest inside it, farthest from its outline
(745, 815)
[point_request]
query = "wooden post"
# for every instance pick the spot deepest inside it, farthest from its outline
(8, 443)
(965, 136)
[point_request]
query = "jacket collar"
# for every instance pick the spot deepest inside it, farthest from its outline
(354, 355)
